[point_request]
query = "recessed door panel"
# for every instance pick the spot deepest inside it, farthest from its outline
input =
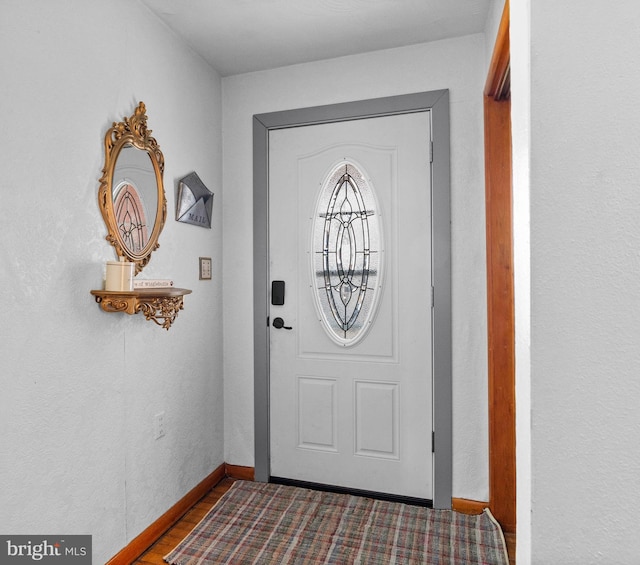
(377, 419)
(317, 412)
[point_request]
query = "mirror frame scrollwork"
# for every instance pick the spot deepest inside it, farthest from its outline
(132, 131)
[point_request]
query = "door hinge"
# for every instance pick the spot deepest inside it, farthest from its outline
(433, 297)
(433, 442)
(430, 151)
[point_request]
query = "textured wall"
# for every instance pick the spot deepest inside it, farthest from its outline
(79, 387)
(585, 273)
(454, 64)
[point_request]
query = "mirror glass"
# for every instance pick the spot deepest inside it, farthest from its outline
(131, 197)
(135, 197)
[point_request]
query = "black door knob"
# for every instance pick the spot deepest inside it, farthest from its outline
(278, 323)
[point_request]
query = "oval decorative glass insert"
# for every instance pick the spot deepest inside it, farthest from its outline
(347, 254)
(130, 216)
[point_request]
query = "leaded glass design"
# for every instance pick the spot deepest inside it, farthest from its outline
(347, 254)
(130, 216)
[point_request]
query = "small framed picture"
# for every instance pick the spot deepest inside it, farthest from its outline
(205, 268)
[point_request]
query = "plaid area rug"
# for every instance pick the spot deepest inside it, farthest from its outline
(260, 523)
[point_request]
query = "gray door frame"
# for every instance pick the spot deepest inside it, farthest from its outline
(437, 103)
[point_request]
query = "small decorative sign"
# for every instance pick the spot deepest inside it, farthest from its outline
(195, 202)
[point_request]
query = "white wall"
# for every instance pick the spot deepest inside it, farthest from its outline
(79, 386)
(585, 273)
(456, 64)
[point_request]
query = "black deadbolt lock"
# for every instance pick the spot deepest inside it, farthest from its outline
(277, 293)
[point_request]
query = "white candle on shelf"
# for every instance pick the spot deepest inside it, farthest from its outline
(119, 275)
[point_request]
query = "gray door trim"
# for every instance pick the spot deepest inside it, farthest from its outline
(437, 102)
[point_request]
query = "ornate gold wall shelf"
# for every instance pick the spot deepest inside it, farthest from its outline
(161, 305)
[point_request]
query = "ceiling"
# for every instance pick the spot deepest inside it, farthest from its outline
(239, 36)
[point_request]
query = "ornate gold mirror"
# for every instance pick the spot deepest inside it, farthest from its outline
(134, 207)
(131, 194)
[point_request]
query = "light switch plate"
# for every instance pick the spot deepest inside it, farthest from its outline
(205, 268)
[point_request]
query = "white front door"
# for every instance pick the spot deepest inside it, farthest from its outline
(350, 236)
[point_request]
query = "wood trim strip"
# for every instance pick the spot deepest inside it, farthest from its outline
(500, 290)
(466, 506)
(138, 545)
(500, 313)
(239, 472)
(501, 58)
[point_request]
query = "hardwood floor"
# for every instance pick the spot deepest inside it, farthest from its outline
(172, 537)
(510, 540)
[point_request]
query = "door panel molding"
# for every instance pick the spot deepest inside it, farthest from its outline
(437, 102)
